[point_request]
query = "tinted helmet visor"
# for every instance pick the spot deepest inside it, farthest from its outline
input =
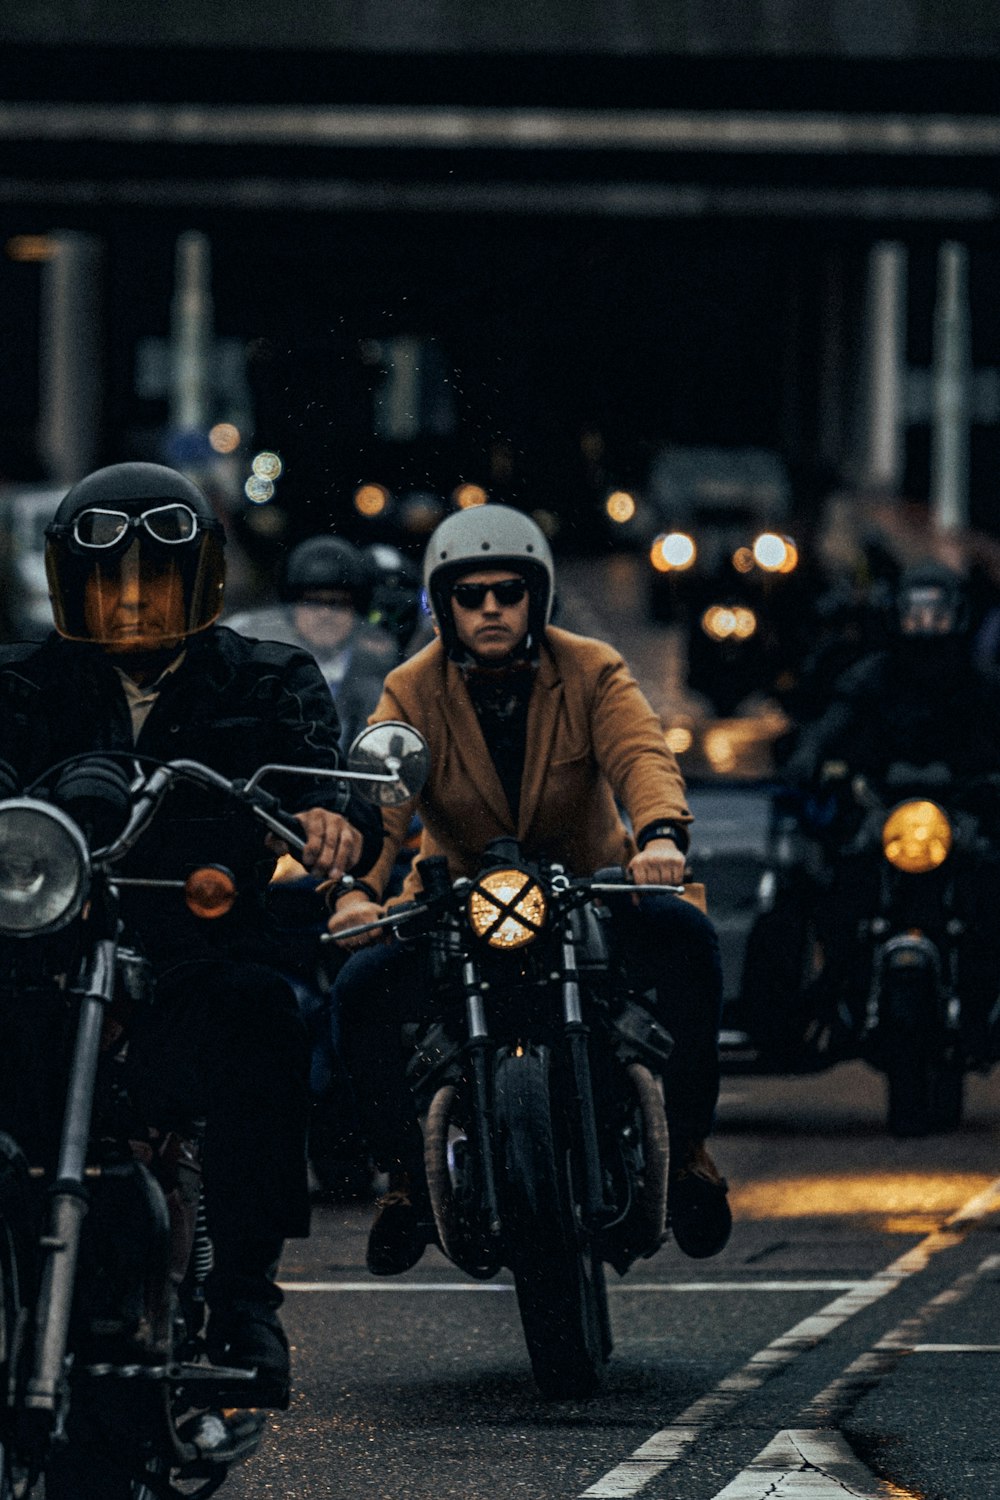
(135, 582)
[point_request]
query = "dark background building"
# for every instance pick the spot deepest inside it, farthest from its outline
(524, 246)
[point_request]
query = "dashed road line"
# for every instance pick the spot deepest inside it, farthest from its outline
(665, 1447)
(842, 1395)
(797, 1464)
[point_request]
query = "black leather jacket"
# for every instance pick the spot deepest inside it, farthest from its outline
(885, 709)
(233, 704)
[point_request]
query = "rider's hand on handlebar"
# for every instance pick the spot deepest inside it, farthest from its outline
(354, 909)
(333, 846)
(660, 863)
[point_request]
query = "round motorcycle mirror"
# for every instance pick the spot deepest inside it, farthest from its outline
(391, 748)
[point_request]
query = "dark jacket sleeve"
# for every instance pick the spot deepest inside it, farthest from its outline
(310, 729)
(845, 730)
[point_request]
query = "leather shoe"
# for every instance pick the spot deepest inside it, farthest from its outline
(247, 1334)
(401, 1232)
(697, 1206)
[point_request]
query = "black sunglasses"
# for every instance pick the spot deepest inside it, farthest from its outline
(473, 595)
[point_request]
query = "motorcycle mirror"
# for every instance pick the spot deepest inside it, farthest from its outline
(386, 749)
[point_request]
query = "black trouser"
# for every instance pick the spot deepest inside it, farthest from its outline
(224, 1042)
(670, 946)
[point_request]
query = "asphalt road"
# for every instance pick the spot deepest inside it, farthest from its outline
(849, 1309)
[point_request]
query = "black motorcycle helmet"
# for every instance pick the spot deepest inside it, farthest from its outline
(327, 562)
(392, 568)
(930, 605)
(138, 531)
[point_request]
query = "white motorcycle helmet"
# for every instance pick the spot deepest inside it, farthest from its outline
(485, 537)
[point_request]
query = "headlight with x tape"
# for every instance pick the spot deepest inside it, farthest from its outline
(507, 908)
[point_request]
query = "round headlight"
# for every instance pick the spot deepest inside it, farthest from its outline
(44, 868)
(507, 908)
(916, 837)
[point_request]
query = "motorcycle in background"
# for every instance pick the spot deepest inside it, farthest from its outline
(863, 941)
(105, 1390)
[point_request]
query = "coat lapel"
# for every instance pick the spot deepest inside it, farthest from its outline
(470, 746)
(543, 718)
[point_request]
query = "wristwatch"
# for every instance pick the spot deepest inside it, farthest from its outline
(664, 830)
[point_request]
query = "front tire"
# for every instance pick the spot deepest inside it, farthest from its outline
(558, 1277)
(926, 1095)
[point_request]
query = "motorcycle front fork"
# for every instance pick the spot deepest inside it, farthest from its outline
(480, 1048)
(68, 1198)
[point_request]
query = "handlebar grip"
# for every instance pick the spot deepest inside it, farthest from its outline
(612, 875)
(284, 824)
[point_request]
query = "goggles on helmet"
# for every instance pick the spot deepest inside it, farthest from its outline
(98, 530)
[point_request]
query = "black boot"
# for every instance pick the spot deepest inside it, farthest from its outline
(244, 1329)
(697, 1205)
(403, 1227)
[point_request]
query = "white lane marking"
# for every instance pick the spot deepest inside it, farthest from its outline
(796, 1463)
(840, 1397)
(395, 1286)
(805, 1464)
(667, 1445)
(635, 1286)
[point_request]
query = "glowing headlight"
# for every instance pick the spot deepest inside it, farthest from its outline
(44, 868)
(673, 551)
(507, 908)
(916, 837)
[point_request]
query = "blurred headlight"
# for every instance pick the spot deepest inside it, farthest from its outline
(620, 507)
(507, 909)
(371, 500)
(723, 622)
(775, 554)
(44, 868)
(673, 552)
(916, 837)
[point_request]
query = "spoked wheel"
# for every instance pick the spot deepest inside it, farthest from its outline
(558, 1276)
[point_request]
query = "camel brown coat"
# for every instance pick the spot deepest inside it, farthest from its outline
(592, 737)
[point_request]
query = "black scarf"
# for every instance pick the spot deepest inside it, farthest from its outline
(500, 696)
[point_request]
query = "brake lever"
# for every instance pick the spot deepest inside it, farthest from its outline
(400, 914)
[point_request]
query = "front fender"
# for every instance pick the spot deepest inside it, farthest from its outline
(908, 983)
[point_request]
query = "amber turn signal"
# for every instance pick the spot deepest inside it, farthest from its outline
(210, 891)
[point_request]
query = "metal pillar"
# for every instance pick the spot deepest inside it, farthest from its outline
(191, 335)
(882, 449)
(72, 376)
(951, 383)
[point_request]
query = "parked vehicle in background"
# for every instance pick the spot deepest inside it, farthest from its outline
(723, 568)
(25, 511)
